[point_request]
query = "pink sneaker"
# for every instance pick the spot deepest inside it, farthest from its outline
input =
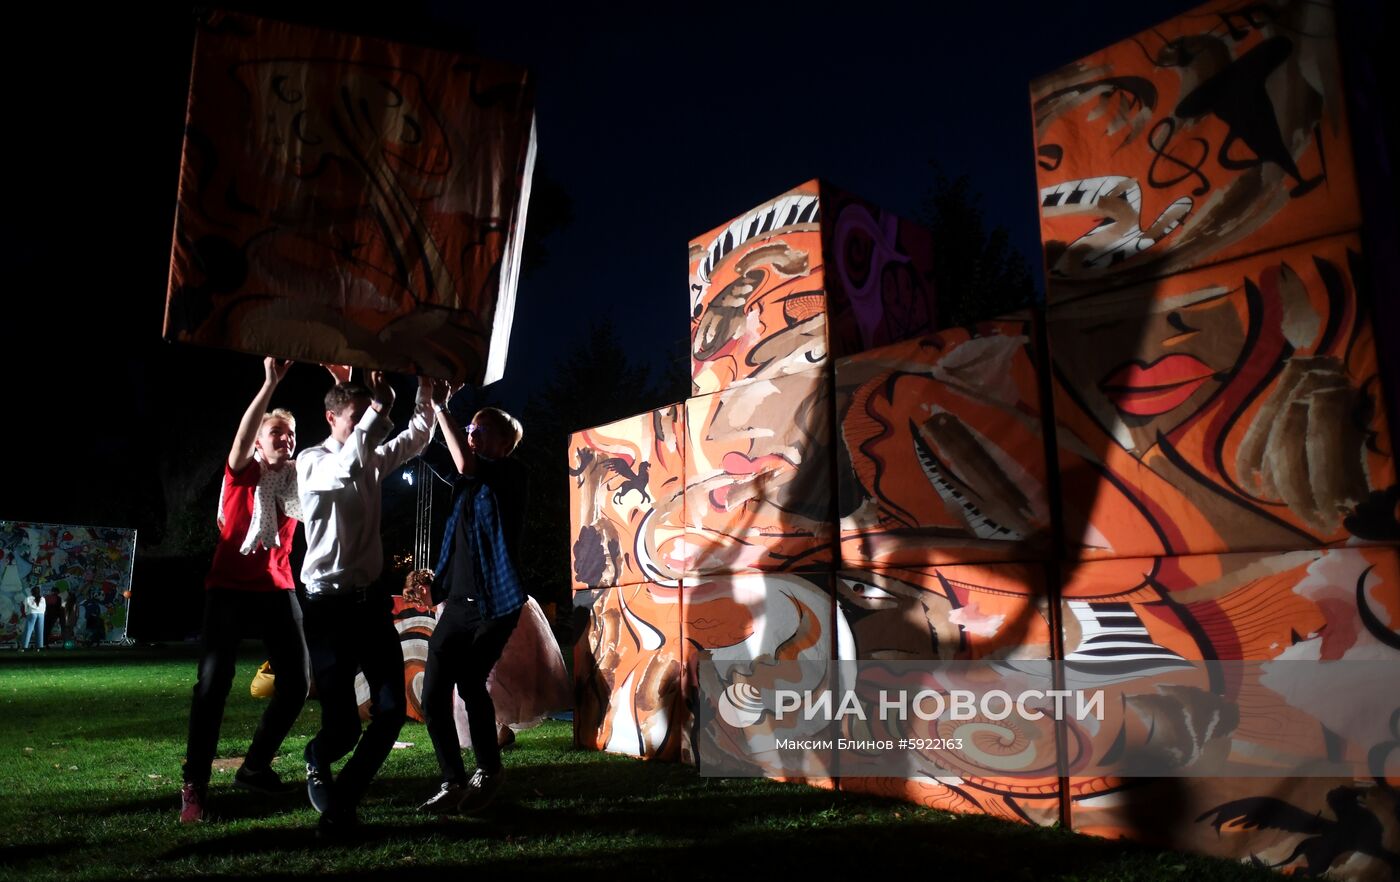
(191, 803)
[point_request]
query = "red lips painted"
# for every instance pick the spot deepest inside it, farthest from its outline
(1151, 390)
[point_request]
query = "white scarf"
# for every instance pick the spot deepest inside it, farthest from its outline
(277, 488)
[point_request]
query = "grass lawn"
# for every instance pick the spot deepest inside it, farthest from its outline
(90, 749)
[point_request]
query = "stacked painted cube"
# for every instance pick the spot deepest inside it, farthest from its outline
(860, 483)
(1228, 486)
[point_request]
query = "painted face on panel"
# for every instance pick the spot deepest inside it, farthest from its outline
(1236, 406)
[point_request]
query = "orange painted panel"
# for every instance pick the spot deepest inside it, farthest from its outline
(626, 501)
(955, 613)
(1219, 133)
(815, 271)
(1232, 408)
(942, 457)
(1339, 604)
(628, 672)
(755, 618)
(758, 495)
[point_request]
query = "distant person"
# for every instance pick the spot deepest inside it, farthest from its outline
(478, 578)
(33, 619)
(70, 615)
(53, 614)
(250, 592)
(349, 611)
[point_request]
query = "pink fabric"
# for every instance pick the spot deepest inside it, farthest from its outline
(529, 682)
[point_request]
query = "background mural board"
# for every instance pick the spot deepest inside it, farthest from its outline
(349, 200)
(812, 272)
(92, 562)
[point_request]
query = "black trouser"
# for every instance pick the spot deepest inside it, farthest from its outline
(463, 650)
(347, 634)
(229, 616)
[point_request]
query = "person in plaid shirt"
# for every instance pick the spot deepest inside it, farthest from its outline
(477, 577)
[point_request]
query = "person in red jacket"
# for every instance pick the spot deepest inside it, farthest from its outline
(250, 592)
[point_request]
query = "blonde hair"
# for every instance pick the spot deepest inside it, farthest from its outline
(280, 413)
(510, 424)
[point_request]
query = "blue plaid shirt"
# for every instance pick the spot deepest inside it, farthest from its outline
(497, 579)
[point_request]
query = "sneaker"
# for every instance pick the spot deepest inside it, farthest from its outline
(481, 789)
(191, 803)
(318, 788)
(261, 781)
(447, 800)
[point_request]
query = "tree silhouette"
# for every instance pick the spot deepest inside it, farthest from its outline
(979, 274)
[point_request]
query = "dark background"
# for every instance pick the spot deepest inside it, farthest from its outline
(656, 124)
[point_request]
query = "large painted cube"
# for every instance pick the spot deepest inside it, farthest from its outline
(744, 628)
(1231, 408)
(628, 672)
(758, 495)
(349, 200)
(941, 457)
(1219, 133)
(626, 501)
(955, 613)
(812, 274)
(1296, 608)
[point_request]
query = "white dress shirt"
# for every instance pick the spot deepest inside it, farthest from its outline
(342, 498)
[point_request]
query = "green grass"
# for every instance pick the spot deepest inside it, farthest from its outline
(90, 749)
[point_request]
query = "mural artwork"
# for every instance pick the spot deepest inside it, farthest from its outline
(94, 563)
(956, 613)
(758, 494)
(753, 621)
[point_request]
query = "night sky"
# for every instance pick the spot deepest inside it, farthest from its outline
(656, 126)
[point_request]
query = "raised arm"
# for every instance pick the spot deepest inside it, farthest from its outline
(241, 453)
(414, 438)
(320, 471)
(463, 457)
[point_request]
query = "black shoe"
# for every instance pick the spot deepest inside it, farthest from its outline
(447, 800)
(480, 790)
(261, 781)
(337, 823)
(318, 788)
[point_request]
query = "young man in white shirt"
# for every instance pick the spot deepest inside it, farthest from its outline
(348, 614)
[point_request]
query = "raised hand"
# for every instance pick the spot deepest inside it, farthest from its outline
(381, 389)
(274, 369)
(339, 372)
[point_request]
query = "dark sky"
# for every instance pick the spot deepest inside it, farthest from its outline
(657, 125)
